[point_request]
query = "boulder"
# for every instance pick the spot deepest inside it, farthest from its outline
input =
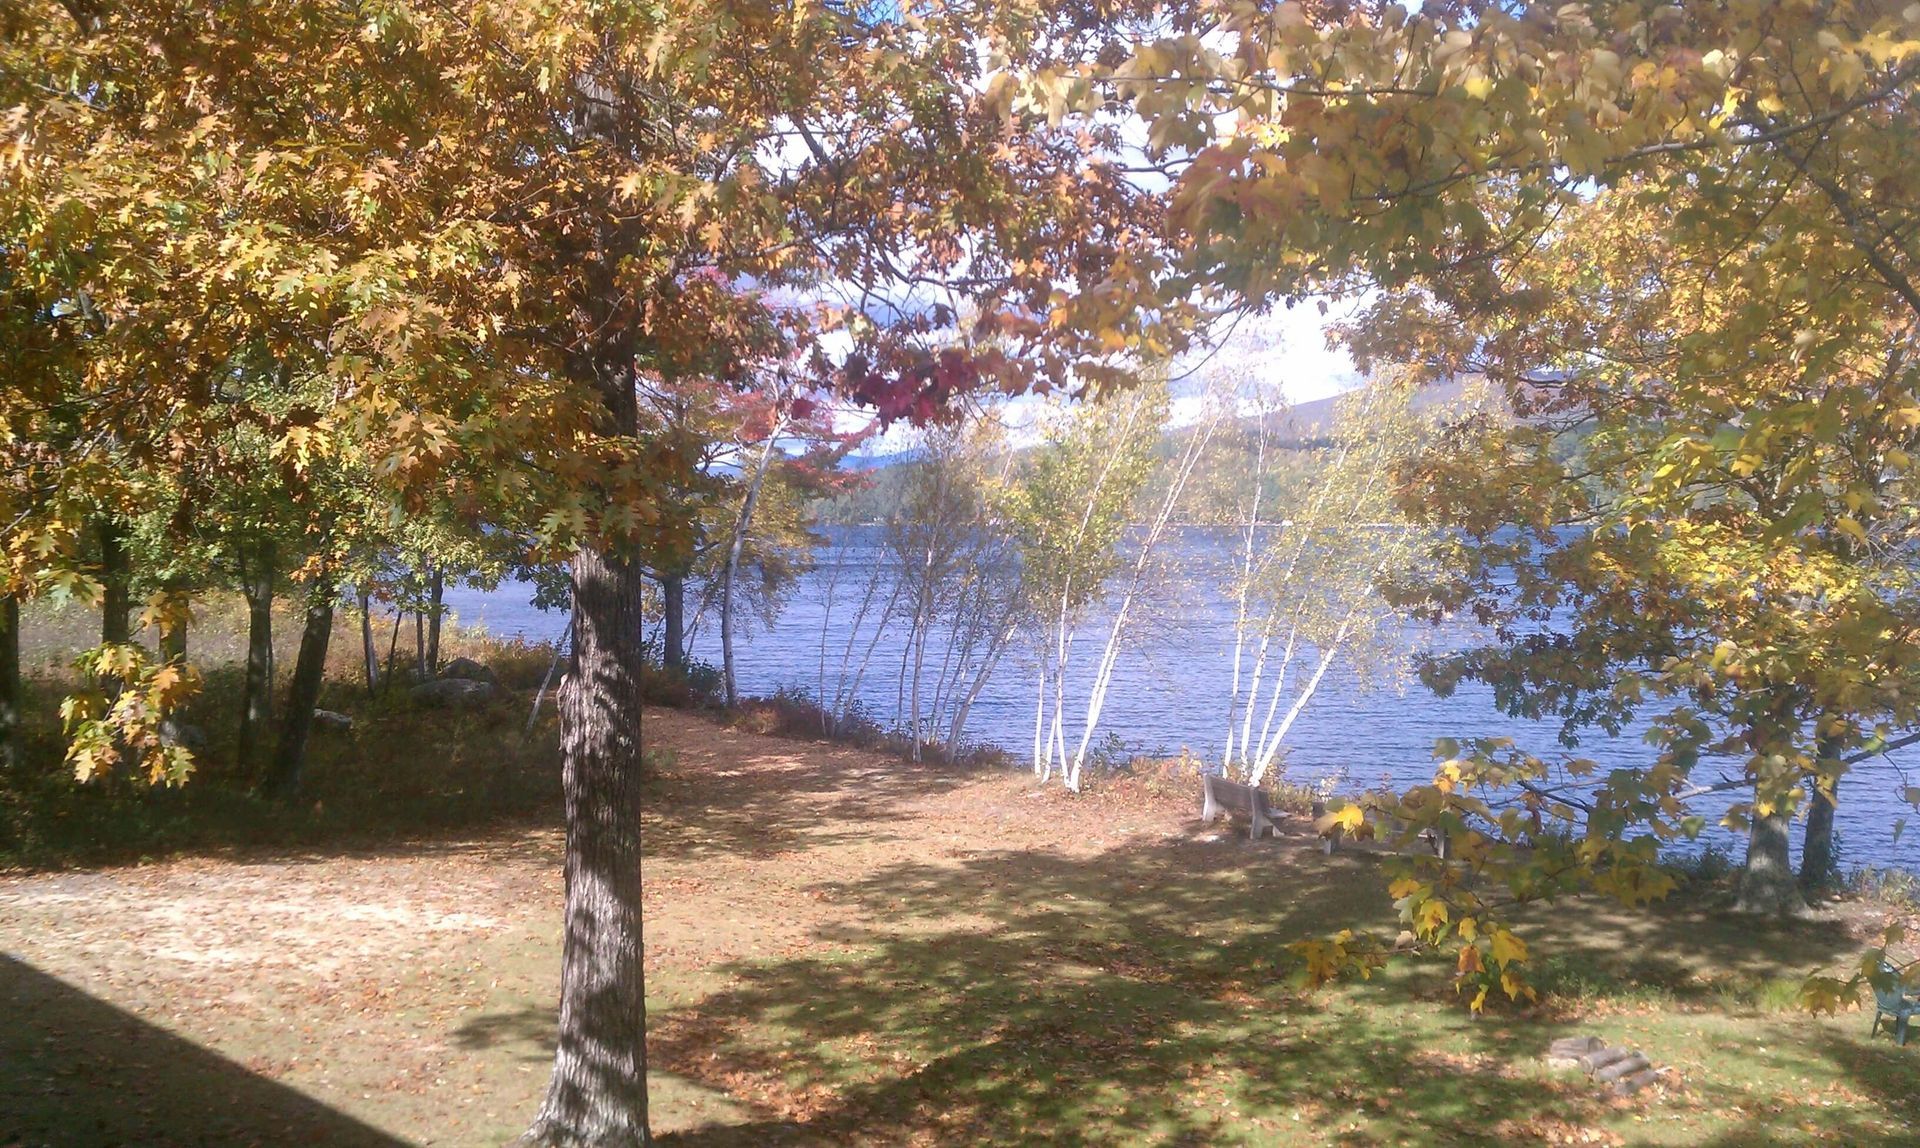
(330, 719)
(466, 669)
(454, 694)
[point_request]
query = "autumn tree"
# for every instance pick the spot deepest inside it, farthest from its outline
(1437, 156)
(481, 224)
(1307, 591)
(1068, 510)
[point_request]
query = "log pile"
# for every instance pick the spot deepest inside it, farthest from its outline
(1624, 1071)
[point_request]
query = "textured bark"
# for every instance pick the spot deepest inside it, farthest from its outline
(115, 582)
(9, 675)
(257, 702)
(1818, 864)
(1768, 886)
(598, 1094)
(436, 598)
(309, 670)
(673, 605)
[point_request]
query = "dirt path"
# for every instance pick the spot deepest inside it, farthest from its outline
(408, 992)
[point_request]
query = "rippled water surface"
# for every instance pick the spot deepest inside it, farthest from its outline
(1172, 685)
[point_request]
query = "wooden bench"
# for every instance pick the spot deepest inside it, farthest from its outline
(1219, 795)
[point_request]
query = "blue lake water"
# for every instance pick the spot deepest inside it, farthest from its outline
(1171, 690)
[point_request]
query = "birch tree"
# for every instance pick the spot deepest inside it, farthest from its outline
(1308, 591)
(1123, 619)
(1069, 511)
(956, 590)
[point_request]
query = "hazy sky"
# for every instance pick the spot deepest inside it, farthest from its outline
(1290, 345)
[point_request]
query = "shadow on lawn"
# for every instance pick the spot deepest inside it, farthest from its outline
(751, 795)
(81, 1073)
(1143, 994)
(1882, 1074)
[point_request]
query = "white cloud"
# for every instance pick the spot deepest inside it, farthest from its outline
(1289, 345)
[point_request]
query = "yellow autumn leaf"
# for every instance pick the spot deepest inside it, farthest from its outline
(1506, 949)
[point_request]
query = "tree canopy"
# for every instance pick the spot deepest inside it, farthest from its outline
(283, 272)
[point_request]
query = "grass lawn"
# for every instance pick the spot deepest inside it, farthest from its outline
(844, 950)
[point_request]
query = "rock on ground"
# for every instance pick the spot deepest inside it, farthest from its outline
(454, 693)
(467, 669)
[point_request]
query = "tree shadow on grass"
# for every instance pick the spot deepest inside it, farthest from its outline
(760, 797)
(1144, 994)
(77, 1072)
(1842, 1091)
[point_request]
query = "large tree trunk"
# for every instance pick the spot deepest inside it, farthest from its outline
(436, 603)
(309, 671)
(115, 583)
(598, 1095)
(1818, 864)
(673, 605)
(257, 703)
(1768, 886)
(9, 675)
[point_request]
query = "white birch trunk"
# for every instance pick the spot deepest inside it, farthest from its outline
(1271, 749)
(1103, 677)
(735, 547)
(1040, 718)
(1245, 588)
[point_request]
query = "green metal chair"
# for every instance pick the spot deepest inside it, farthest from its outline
(1892, 1003)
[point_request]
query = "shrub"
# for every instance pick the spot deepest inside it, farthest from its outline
(696, 685)
(1895, 888)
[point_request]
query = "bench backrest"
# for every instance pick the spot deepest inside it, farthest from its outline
(1233, 794)
(1893, 996)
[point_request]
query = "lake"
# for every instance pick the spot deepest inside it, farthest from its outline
(1171, 690)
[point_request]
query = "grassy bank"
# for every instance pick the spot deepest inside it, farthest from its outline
(401, 770)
